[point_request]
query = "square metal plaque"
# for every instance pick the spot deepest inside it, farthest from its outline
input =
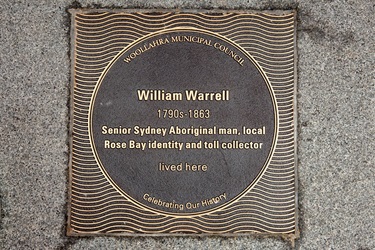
(183, 123)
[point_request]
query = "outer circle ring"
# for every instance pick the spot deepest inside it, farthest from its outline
(120, 190)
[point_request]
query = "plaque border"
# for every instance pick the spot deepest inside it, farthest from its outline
(288, 236)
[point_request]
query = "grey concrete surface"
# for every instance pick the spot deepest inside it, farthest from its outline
(335, 127)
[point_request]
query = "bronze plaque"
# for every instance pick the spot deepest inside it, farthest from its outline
(182, 123)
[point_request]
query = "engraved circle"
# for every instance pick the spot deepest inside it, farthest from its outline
(172, 179)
